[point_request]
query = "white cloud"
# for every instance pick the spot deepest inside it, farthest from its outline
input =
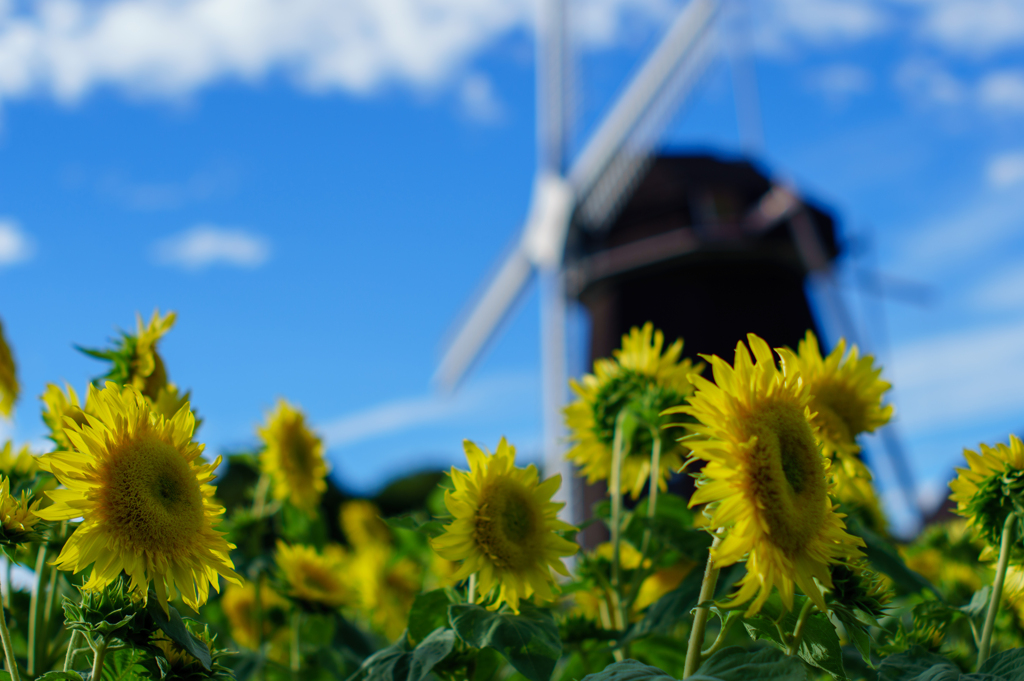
(479, 100)
(977, 27)
(778, 26)
(928, 83)
(1005, 170)
(486, 396)
(15, 245)
(1003, 91)
(839, 82)
(954, 379)
(1004, 291)
(206, 245)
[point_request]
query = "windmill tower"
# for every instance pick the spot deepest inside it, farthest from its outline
(614, 217)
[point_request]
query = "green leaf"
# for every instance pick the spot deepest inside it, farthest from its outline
(49, 676)
(529, 640)
(629, 670)
(663, 652)
(739, 664)
(1008, 665)
(917, 664)
(128, 664)
(819, 646)
(430, 528)
(429, 611)
(856, 629)
(400, 663)
(670, 609)
(884, 558)
(978, 606)
(174, 627)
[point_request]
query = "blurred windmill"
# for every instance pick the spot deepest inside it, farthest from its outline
(708, 249)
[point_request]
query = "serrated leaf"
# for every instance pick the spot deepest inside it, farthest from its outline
(127, 664)
(399, 662)
(629, 670)
(429, 611)
(856, 629)
(738, 664)
(172, 625)
(1008, 665)
(529, 640)
(819, 646)
(917, 664)
(50, 676)
(670, 609)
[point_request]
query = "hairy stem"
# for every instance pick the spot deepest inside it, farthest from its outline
(694, 655)
(616, 495)
(35, 611)
(296, 653)
(259, 501)
(652, 489)
(97, 659)
(720, 640)
(69, 658)
(471, 589)
(801, 622)
(1009, 529)
(5, 638)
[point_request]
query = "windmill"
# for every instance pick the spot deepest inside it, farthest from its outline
(574, 205)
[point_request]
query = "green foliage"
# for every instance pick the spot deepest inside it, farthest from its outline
(174, 628)
(429, 612)
(529, 640)
(669, 610)
(403, 662)
(884, 558)
(737, 664)
(819, 645)
(629, 670)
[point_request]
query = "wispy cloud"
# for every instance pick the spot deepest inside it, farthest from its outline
(484, 397)
(1003, 91)
(1003, 291)
(840, 82)
(927, 82)
(206, 245)
(479, 100)
(976, 27)
(1005, 170)
(15, 245)
(928, 396)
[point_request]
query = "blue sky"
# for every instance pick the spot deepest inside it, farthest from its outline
(318, 188)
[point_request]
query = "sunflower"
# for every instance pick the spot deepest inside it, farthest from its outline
(137, 480)
(134, 359)
(315, 578)
(639, 378)
(293, 458)
(766, 482)
(990, 488)
(387, 586)
(8, 377)
(505, 527)
(58, 404)
(24, 464)
(180, 665)
(846, 398)
(239, 605)
(360, 520)
(17, 516)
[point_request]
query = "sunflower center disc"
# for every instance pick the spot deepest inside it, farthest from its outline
(150, 498)
(507, 524)
(787, 475)
(842, 411)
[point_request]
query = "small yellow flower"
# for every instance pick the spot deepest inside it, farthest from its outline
(360, 520)
(640, 378)
(137, 480)
(9, 388)
(313, 577)
(505, 527)
(766, 482)
(387, 587)
(24, 464)
(294, 458)
(58, 404)
(239, 605)
(662, 582)
(147, 371)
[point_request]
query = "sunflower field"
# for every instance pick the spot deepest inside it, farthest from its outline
(131, 554)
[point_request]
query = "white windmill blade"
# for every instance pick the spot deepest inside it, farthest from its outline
(541, 246)
(636, 102)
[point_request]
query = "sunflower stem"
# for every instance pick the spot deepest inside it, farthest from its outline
(471, 589)
(296, 654)
(1009, 529)
(259, 501)
(652, 490)
(700, 617)
(258, 606)
(97, 660)
(73, 650)
(616, 494)
(5, 638)
(801, 622)
(34, 610)
(720, 639)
